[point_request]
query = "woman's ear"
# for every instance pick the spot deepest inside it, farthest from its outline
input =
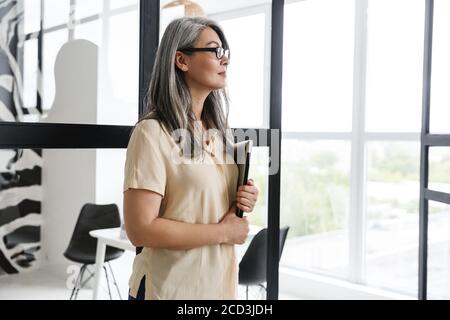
(181, 61)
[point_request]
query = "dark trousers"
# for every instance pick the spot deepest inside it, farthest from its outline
(141, 291)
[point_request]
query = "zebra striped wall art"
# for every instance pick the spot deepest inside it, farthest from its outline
(20, 170)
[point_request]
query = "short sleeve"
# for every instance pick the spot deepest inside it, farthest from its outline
(144, 164)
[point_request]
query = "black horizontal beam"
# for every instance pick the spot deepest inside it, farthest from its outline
(437, 196)
(436, 140)
(23, 135)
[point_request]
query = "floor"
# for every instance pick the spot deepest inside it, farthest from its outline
(45, 284)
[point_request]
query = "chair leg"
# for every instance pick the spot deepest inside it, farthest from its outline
(107, 282)
(73, 290)
(82, 270)
(75, 284)
(89, 278)
(115, 282)
(246, 293)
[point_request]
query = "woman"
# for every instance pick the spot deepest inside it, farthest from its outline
(183, 213)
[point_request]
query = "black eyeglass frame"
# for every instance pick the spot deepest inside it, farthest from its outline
(216, 50)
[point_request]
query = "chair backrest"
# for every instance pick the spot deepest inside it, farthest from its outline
(93, 216)
(253, 266)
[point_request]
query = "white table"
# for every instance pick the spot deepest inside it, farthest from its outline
(106, 237)
(111, 237)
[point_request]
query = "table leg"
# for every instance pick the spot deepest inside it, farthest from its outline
(99, 260)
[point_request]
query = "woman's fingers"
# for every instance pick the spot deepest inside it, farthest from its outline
(245, 208)
(245, 202)
(249, 189)
(246, 195)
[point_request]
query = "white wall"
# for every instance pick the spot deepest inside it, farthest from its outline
(68, 182)
(109, 177)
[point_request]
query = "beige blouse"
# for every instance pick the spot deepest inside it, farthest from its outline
(199, 191)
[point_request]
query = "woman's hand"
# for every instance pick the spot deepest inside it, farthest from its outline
(247, 196)
(234, 229)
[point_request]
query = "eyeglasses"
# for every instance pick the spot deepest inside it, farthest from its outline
(220, 52)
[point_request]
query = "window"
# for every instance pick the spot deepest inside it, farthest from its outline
(86, 8)
(56, 12)
(394, 110)
(114, 28)
(394, 66)
(248, 43)
(247, 27)
(30, 72)
(317, 121)
(315, 203)
(439, 169)
(318, 66)
(52, 43)
(440, 73)
(438, 251)
(24, 185)
(392, 215)
(352, 97)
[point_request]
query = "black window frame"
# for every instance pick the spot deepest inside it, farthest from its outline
(428, 140)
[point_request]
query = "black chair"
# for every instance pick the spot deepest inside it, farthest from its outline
(253, 265)
(83, 248)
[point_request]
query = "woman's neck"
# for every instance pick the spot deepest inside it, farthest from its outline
(198, 96)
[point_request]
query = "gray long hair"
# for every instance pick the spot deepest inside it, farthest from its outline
(168, 98)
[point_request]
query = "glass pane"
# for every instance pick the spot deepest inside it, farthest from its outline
(115, 4)
(56, 12)
(315, 179)
(91, 31)
(30, 72)
(438, 251)
(46, 189)
(103, 88)
(212, 7)
(392, 215)
(318, 65)
(52, 43)
(86, 8)
(394, 65)
(259, 172)
(249, 106)
(439, 169)
(32, 15)
(167, 15)
(123, 69)
(440, 73)
(42, 193)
